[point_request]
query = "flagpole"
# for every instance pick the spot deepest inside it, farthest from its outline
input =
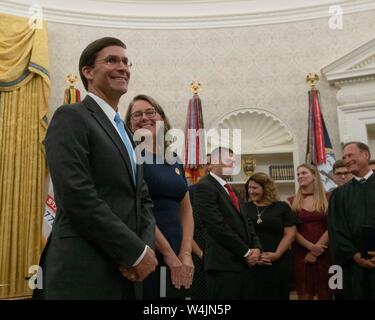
(194, 138)
(319, 151)
(71, 95)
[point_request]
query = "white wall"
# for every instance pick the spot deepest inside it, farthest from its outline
(257, 67)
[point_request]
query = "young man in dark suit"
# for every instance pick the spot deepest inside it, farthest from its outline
(104, 229)
(232, 246)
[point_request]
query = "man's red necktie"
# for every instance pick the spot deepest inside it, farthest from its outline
(233, 196)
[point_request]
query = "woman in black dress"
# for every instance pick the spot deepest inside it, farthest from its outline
(274, 224)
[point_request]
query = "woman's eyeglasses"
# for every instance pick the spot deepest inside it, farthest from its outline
(136, 116)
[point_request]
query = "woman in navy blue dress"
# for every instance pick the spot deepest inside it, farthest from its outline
(169, 192)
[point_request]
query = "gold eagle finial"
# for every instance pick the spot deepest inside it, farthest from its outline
(312, 79)
(196, 87)
(71, 79)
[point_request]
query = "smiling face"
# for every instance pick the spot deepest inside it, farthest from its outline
(147, 119)
(107, 79)
(356, 160)
(255, 191)
(305, 177)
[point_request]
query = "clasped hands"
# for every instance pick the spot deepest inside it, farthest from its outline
(140, 272)
(315, 251)
(365, 263)
(182, 269)
(255, 257)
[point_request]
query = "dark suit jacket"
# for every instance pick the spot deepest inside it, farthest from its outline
(103, 220)
(229, 234)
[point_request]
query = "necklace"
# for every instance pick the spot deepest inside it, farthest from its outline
(259, 220)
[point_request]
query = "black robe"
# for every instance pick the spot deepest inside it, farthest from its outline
(350, 207)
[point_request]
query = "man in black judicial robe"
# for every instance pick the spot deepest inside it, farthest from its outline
(351, 207)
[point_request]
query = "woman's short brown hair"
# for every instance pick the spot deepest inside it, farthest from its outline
(158, 108)
(270, 194)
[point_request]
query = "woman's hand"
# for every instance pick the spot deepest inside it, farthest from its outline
(266, 258)
(253, 257)
(176, 268)
(317, 249)
(310, 258)
(188, 269)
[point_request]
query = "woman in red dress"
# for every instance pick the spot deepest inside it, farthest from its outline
(310, 250)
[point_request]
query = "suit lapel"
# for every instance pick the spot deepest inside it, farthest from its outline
(220, 188)
(239, 218)
(237, 215)
(139, 168)
(108, 127)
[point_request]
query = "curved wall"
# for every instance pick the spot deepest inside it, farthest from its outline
(261, 67)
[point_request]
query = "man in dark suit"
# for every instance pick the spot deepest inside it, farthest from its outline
(232, 246)
(104, 229)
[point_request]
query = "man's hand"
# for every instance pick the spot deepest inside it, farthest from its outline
(142, 269)
(253, 257)
(372, 256)
(147, 265)
(128, 273)
(365, 263)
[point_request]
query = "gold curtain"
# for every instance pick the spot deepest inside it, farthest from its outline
(24, 93)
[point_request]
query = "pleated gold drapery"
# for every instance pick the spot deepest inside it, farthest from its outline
(24, 92)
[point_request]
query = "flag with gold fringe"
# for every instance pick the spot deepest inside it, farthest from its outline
(195, 144)
(319, 149)
(71, 95)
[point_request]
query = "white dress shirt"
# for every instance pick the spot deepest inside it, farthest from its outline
(368, 175)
